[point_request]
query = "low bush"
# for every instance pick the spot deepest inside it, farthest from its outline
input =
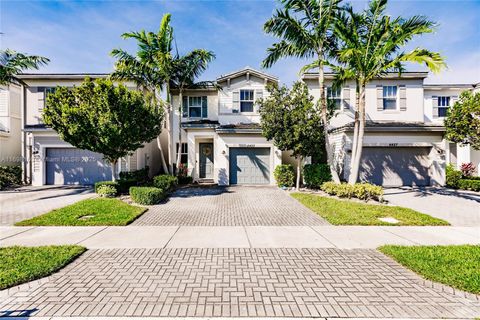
(315, 175)
(106, 183)
(146, 195)
(182, 180)
(284, 175)
(165, 182)
(107, 191)
(141, 176)
(10, 176)
(469, 184)
(362, 191)
(452, 176)
(467, 169)
(125, 184)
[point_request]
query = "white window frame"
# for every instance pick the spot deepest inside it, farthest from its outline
(442, 104)
(390, 96)
(244, 100)
(190, 105)
(338, 97)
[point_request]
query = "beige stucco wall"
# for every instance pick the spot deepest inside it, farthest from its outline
(11, 126)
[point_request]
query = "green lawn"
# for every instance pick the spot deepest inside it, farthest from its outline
(347, 212)
(456, 266)
(23, 264)
(90, 212)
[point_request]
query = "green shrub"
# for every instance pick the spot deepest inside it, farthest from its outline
(141, 176)
(106, 183)
(316, 174)
(182, 180)
(107, 191)
(452, 176)
(362, 191)
(10, 176)
(284, 175)
(125, 184)
(165, 182)
(146, 195)
(469, 184)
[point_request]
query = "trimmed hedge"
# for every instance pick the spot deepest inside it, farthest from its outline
(284, 175)
(10, 176)
(106, 183)
(362, 191)
(315, 175)
(452, 176)
(182, 180)
(141, 176)
(146, 195)
(469, 184)
(165, 182)
(107, 191)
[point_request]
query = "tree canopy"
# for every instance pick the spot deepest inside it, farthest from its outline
(102, 117)
(463, 120)
(13, 63)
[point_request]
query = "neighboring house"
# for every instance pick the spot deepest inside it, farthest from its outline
(52, 161)
(10, 125)
(404, 136)
(222, 140)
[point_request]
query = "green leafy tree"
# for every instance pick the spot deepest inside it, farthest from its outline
(463, 120)
(105, 118)
(370, 44)
(290, 119)
(13, 63)
(305, 29)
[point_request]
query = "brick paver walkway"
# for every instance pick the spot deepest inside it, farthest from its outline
(232, 206)
(237, 282)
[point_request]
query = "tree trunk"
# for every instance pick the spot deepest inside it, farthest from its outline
(299, 170)
(113, 166)
(324, 113)
(355, 164)
(162, 157)
(179, 149)
(356, 123)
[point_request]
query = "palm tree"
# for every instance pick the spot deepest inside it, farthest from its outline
(305, 29)
(152, 66)
(186, 69)
(370, 46)
(13, 63)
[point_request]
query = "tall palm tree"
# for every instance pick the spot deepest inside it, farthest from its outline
(371, 45)
(151, 67)
(305, 29)
(13, 63)
(185, 70)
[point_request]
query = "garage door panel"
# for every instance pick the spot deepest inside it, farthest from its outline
(75, 166)
(395, 166)
(249, 165)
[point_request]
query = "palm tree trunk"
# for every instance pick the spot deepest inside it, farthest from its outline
(356, 123)
(179, 149)
(355, 164)
(299, 166)
(323, 105)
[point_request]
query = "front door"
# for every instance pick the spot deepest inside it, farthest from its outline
(206, 160)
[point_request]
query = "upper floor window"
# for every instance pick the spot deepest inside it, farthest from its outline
(443, 105)
(334, 95)
(246, 100)
(389, 97)
(194, 107)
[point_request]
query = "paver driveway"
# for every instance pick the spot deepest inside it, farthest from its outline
(230, 206)
(27, 202)
(237, 282)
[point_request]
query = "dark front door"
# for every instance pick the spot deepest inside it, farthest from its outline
(206, 160)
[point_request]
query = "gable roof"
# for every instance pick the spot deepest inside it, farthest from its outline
(246, 70)
(389, 75)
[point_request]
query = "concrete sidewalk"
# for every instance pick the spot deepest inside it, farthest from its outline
(341, 237)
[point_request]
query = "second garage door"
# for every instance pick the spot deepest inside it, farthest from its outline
(249, 165)
(75, 166)
(399, 166)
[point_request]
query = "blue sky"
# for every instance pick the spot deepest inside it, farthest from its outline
(78, 35)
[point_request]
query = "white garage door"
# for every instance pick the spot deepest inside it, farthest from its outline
(249, 165)
(75, 166)
(399, 166)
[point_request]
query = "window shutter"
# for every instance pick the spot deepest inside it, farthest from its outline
(346, 97)
(185, 107)
(258, 95)
(3, 102)
(435, 106)
(403, 98)
(204, 107)
(453, 100)
(41, 102)
(379, 98)
(235, 101)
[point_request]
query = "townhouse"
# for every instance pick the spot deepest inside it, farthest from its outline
(217, 132)
(48, 160)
